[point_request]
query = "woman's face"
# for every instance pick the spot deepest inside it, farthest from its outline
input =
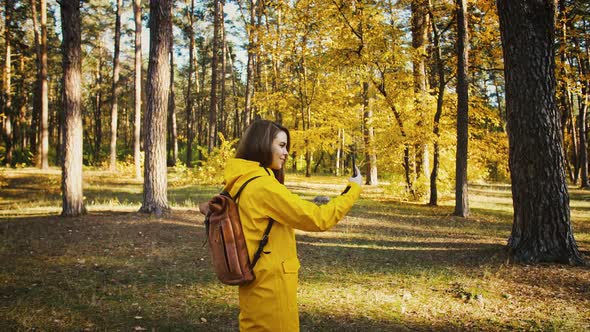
(279, 150)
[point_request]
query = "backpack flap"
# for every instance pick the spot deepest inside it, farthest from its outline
(226, 241)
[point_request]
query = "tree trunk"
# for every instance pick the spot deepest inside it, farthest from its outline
(461, 197)
(542, 230)
(235, 97)
(98, 110)
(189, 97)
(37, 94)
(252, 51)
(44, 123)
(419, 43)
(71, 184)
(173, 140)
(213, 111)
(369, 136)
(583, 143)
(222, 56)
(155, 196)
(439, 108)
(115, 89)
(6, 80)
(137, 122)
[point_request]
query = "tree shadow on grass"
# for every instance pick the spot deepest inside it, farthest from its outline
(103, 270)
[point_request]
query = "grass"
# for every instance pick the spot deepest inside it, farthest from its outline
(389, 265)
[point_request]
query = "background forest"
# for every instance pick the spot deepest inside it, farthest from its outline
(376, 75)
(336, 73)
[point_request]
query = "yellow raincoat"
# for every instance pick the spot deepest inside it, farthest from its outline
(270, 302)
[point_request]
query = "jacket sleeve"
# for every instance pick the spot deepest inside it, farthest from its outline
(280, 204)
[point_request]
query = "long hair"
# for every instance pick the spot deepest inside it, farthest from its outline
(256, 144)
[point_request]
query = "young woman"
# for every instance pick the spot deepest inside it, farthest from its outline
(269, 303)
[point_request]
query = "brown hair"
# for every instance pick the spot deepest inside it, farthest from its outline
(256, 144)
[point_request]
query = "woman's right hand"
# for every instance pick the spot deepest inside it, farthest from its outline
(358, 178)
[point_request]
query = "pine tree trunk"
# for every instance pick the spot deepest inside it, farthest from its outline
(44, 120)
(115, 89)
(155, 195)
(137, 84)
(213, 110)
(189, 97)
(461, 197)
(6, 80)
(37, 94)
(173, 140)
(440, 70)
(583, 143)
(250, 79)
(71, 184)
(419, 43)
(222, 56)
(98, 111)
(542, 230)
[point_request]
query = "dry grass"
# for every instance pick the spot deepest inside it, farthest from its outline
(387, 266)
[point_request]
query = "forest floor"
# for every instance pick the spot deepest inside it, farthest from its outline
(388, 266)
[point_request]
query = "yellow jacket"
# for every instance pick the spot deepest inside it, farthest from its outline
(270, 302)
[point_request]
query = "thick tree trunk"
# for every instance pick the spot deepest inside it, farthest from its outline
(137, 83)
(115, 89)
(461, 197)
(155, 186)
(542, 230)
(44, 123)
(71, 184)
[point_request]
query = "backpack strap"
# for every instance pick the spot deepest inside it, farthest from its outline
(262, 243)
(264, 239)
(235, 198)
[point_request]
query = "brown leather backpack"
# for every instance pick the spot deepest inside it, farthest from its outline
(227, 244)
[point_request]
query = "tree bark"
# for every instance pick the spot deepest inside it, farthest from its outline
(419, 42)
(173, 139)
(37, 94)
(461, 195)
(115, 89)
(44, 120)
(6, 80)
(71, 184)
(189, 97)
(137, 83)
(250, 79)
(583, 141)
(222, 56)
(213, 108)
(542, 230)
(440, 70)
(369, 136)
(155, 196)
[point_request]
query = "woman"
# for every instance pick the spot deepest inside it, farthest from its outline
(269, 303)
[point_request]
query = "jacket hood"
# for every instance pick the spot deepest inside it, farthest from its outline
(240, 170)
